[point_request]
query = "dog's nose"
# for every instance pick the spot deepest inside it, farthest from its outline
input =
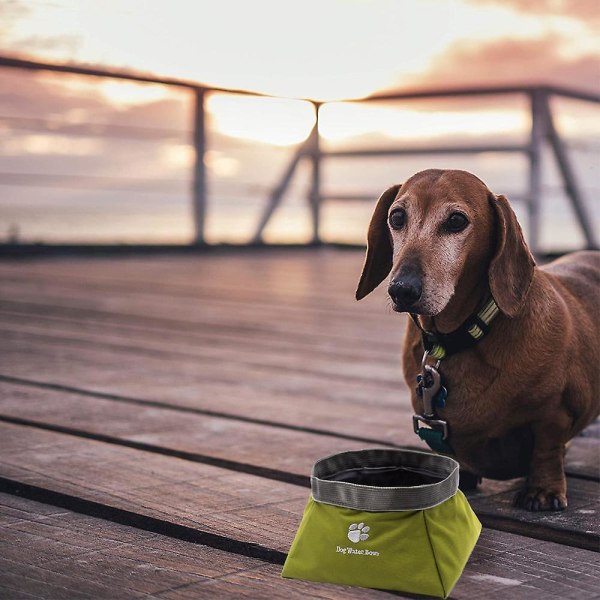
(405, 290)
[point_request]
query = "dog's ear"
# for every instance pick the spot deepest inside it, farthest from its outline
(378, 262)
(511, 268)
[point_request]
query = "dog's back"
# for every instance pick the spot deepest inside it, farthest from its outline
(576, 277)
(579, 271)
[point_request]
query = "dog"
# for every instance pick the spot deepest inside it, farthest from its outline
(521, 392)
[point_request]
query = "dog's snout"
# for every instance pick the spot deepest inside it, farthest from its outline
(406, 290)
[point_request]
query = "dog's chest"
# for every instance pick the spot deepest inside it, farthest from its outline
(467, 402)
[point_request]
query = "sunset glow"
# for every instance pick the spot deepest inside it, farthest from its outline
(274, 121)
(341, 121)
(330, 49)
(323, 50)
(127, 93)
(102, 142)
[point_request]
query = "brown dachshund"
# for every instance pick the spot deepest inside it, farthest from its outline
(518, 395)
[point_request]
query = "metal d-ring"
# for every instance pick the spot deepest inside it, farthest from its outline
(424, 362)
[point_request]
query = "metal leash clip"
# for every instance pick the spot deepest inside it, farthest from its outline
(430, 384)
(434, 424)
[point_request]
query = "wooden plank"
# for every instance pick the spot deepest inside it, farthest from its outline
(329, 363)
(290, 359)
(351, 321)
(201, 434)
(529, 570)
(287, 457)
(186, 347)
(330, 345)
(360, 419)
(251, 510)
(271, 286)
(140, 365)
(325, 353)
(49, 554)
(287, 451)
(501, 563)
(295, 397)
(66, 555)
(493, 503)
(303, 273)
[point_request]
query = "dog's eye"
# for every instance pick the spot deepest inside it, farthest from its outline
(397, 219)
(456, 222)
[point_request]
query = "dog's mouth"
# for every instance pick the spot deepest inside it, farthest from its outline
(402, 308)
(398, 308)
(416, 308)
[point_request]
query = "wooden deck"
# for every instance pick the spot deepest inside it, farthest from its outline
(159, 416)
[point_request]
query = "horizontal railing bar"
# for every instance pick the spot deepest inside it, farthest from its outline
(350, 197)
(365, 197)
(13, 62)
(480, 91)
(94, 182)
(90, 128)
(443, 93)
(573, 94)
(8, 61)
(425, 150)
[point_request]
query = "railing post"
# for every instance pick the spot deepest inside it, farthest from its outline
(277, 194)
(315, 188)
(199, 182)
(537, 99)
(569, 178)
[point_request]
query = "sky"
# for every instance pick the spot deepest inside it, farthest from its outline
(320, 49)
(326, 49)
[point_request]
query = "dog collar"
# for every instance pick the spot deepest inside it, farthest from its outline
(473, 330)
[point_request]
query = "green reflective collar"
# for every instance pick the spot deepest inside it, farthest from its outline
(473, 330)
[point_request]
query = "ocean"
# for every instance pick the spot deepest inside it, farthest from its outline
(160, 211)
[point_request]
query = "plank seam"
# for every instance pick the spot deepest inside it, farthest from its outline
(75, 342)
(584, 540)
(187, 409)
(221, 415)
(139, 521)
(169, 324)
(223, 463)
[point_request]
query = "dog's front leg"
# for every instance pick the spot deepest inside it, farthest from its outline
(546, 486)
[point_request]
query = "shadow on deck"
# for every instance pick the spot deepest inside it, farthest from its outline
(159, 417)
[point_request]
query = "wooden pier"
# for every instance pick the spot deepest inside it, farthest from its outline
(159, 416)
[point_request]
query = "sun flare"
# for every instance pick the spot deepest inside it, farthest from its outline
(273, 121)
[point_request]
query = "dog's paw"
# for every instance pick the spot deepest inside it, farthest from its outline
(537, 499)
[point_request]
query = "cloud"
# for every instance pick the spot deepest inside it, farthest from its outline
(581, 10)
(39, 114)
(510, 61)
(40, 44)
(78, 101)
(10, 13)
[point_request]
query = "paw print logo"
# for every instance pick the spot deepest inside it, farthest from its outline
(358, 532)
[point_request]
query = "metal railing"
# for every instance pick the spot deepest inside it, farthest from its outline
(543, 131)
